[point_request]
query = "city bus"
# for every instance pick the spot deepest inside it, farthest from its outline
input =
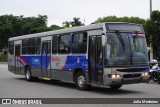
(104, 54)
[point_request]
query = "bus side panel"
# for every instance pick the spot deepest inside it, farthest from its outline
(64, 66)
(11, 63)
(58, 62)
(34, 63)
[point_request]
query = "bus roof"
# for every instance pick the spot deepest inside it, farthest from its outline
(67, 30)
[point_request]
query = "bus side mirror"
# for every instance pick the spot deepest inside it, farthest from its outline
(103, 40)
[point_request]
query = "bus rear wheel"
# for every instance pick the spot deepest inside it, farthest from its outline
(81, 81)
(115, 87)
(28, 75)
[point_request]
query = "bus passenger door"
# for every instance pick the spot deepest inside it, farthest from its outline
(46, 58)
(95, 60)
(17, 57)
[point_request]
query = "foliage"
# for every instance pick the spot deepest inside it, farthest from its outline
(11, 26)
(136, 20)
(75, 22)
(152, 29)
(55, 27)
(3, 58)
(66, 24)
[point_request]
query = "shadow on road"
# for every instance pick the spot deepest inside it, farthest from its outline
(100, 90)
(109, 91)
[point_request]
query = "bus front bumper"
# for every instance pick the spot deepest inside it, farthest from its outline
(123, 81)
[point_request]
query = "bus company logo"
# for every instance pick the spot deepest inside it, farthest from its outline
(6, 101)
(78, 60)
(35, 61)
(56, 59)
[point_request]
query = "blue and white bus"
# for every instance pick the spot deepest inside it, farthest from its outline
(107, 54)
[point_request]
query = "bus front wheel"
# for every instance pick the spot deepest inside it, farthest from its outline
(81, 81)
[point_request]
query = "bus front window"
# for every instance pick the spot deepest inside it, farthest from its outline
(125, 49)
(138, 49)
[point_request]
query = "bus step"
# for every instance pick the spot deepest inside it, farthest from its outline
(45, 78)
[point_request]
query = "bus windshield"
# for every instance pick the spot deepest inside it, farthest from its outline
(125, 49)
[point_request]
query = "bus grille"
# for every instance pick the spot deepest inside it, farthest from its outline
(131, 75)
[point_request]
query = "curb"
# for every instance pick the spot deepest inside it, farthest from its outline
(3, 62)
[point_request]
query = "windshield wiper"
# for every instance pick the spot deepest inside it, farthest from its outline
(120, 39)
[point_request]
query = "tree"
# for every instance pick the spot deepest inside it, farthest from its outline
(136, 20)
(11, 26)
(152, 29)
(6, 29)
(75, 22)
(66, 24)
(55, 27)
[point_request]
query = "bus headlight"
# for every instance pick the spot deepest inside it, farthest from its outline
(145, 74)
(115, 76)
(118, 76)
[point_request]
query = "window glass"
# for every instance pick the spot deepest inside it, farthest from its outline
(125, 49)
(17, 50)
(11, 48)
(79, 44)
(44, 48)
(24, 46)
(31, 46)
(54, 44)
(99, 50)
(64, 43)
(38, 45)
(49, 48)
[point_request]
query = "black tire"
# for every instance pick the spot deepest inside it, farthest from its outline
(154, 76)
(81, 81)
(115, 87)
(158, 81)
(28, 74)
(158, 77)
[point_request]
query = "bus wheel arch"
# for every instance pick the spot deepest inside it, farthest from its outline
(75, 73)
(80, 79)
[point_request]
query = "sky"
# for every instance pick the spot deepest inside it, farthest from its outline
(88, 11)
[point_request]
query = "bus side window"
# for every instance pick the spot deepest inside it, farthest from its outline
(38, 45)
(79, 43)
(64, 45)
(24, 46)
(31, 45)
(11, 48)
(54, 44)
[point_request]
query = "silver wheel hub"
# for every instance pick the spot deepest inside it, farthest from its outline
(81, 81)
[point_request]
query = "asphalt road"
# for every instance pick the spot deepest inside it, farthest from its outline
(15, 86)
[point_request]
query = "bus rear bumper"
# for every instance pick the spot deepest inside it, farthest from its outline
(123, 81)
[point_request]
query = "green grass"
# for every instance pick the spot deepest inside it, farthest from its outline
(3, 58)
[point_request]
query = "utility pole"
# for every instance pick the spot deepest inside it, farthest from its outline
(151, 46)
